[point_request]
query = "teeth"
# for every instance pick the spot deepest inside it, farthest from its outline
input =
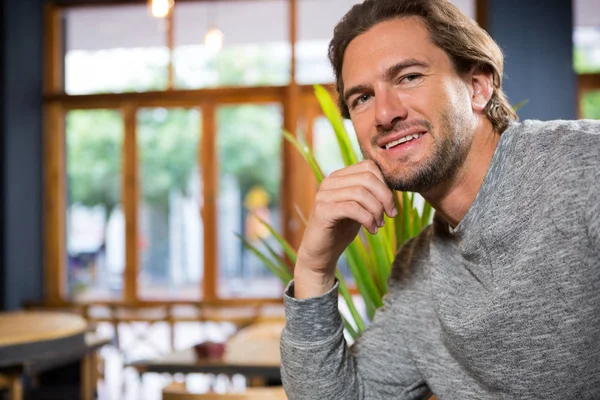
(407, 138)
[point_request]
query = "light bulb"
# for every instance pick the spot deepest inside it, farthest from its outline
(213, 39)
(160, 8)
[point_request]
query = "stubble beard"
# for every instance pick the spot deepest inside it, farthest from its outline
(449, 151)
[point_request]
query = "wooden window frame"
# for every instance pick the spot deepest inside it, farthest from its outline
(57, 103)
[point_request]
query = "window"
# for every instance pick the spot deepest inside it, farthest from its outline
(249, 153)
(586, 36)
(95, 230)
(586, 56)
(255, 50)
(170, 232)
(114, 50)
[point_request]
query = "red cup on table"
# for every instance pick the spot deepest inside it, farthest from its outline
(209, 350)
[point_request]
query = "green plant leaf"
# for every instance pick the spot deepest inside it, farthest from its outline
(416, 223)
(520, 104)
(335, 118)
(377, 246)
(281, 274)
(406, 214)
(306, 154)
(426, 216)
(398, 223)
(278, 260)
(285, 245)
(360, 325)
(350, 329)
(363, 279)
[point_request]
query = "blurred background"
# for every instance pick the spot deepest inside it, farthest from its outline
(139, 137)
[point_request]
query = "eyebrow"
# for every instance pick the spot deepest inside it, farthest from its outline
(389, 75)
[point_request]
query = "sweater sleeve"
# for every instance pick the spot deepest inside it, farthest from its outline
(318, 364)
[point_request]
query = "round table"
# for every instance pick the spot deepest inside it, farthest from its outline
(29, 338)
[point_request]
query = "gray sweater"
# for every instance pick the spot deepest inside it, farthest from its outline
(504, 306)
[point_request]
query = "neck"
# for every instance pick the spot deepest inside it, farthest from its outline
(453, 199)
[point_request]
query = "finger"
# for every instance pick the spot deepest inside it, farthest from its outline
(356, 212)
(363, 166)
(372, 183)
(358, 194)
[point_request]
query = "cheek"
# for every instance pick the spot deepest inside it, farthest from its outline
(363, 127)
(422, 102)
(458, 96)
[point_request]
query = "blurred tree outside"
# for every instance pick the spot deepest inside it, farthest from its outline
(168, 155)
(590, 105)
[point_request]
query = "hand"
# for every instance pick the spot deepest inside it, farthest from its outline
(353, 196)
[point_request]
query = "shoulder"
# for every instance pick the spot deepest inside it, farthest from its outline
(557, 133)
(560, 144)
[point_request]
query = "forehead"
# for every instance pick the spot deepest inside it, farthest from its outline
(371, 53)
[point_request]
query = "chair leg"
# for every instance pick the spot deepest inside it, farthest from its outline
(16, 387)
(87, 391)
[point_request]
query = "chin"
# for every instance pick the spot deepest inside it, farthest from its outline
(418, 179)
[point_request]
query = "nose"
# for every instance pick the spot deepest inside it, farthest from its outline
(388, 108)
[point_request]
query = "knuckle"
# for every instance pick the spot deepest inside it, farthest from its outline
(319, 198)
(389, 197)
(371, 177)
(358, 191)
(324, 184)
(371, 166)
(371, 221)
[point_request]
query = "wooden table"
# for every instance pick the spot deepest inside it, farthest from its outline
(186, 362)
(33, 343)
(177, 391)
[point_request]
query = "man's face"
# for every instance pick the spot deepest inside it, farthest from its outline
(411, 110)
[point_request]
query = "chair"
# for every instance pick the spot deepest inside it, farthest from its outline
(178, 392)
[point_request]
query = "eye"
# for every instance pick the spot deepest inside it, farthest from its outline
(410, 78)
(360, 100)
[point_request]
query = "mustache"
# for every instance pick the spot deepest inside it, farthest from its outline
(400, 126)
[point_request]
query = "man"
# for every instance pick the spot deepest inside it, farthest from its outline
(500, 297)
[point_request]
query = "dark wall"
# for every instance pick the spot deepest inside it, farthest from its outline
(536, 37)
(21, 132)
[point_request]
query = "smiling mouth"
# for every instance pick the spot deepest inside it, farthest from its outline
(403, 140)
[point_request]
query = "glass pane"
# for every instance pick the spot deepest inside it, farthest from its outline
(95, 222)
(255, 50)
(325, 145)
(586, 35)
(590, 105)
(586, 40)
(114, 49)
(316, 20)
(170, 225)
(249, 151)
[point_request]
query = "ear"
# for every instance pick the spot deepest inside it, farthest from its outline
(481, 88)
